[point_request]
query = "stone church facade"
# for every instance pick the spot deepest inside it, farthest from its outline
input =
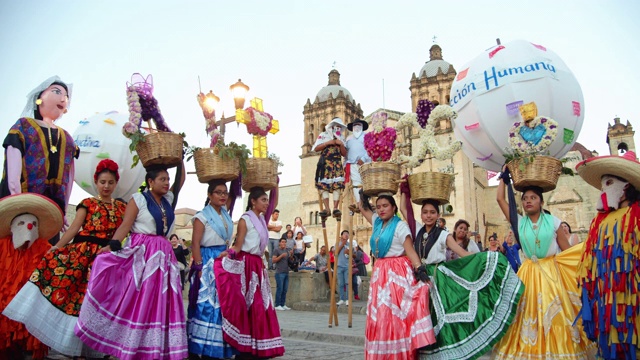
(472, 198)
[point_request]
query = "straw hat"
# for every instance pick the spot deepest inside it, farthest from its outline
(625, 167)
(48, 213)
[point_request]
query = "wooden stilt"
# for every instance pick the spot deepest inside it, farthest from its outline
(333, 311)
(349, 196)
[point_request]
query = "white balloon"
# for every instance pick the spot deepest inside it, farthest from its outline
(487, 91)
(100, 137)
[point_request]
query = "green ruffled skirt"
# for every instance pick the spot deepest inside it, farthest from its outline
(473, 301)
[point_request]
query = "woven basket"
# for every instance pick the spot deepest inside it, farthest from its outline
(210, 166)
(543, 172)
(378, 177)
(430, 185)
(262, 172)
(160, 148)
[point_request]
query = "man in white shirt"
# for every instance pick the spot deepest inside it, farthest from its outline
(274, 227)
(356, 156)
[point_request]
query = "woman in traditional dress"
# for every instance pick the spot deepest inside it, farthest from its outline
(39, 154)
(50, 302)
(398, 320)
(212, 232)
(473, 298)
(330, 171)
(544, 325)
(249, 319)
(133, 307)
(461, 235)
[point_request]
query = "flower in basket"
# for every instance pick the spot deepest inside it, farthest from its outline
(260, 122)
(423, 110)
(142, 106)
(380, 142)
(533, 137)
(426, 133)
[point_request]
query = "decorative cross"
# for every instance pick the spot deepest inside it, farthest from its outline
(259, 142)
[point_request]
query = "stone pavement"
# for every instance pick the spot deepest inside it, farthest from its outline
(306, 333)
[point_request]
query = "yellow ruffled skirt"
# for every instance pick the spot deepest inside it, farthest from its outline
(544, 324)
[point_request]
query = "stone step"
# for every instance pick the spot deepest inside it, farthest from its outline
(358, 307)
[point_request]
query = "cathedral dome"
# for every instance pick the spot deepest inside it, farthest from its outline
(333, 88)
(435, 63)
(431, 67)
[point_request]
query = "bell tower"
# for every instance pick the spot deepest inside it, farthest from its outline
(620, 137)
(331, 101)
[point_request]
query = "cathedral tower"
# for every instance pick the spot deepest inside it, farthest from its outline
(331, 101)
(620, 137)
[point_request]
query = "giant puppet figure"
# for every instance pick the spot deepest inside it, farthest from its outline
(27, 221)
(356, 156)
(39, 154)
(329, 171)
(610, 267)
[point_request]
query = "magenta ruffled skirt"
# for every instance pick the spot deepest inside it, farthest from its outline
(133, 308)
(249, 321)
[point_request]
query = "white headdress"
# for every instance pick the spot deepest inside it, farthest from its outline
(33, 95)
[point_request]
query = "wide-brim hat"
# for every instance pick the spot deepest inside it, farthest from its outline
(365, 125)
(335, 121)
(625, 167)
(49, 214)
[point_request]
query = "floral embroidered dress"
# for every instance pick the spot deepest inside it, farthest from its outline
(50, 302)
(398, 319)
(544, 325)
(329, 171)
(473, 299)
(133, 307)
(249, 320)
(608, 278)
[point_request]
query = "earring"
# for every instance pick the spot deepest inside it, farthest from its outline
(151, 188)
(39, 102)
(65, 111)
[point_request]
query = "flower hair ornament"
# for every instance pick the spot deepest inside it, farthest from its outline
(107, 164)
(33, 96)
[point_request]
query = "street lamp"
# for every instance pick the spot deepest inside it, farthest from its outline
(239, 91)
(211, 101)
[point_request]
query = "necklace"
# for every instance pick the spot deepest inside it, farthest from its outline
(423, 243)
(379, 234)
(164, 214)
(53, 147)
(536, 230)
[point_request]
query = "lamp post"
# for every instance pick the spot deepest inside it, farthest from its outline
(238, 90)
(249, 117)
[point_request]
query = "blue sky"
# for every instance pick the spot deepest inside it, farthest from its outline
(284, 50)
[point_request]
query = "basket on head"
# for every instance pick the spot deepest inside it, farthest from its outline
(542, 172)
(160, 148)
(378, 177)
(262, 172)
(430, 185)
(210, 165)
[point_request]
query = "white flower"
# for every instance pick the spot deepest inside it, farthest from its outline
(261, 120)
(442, 112)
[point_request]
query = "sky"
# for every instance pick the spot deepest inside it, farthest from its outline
(284, 51)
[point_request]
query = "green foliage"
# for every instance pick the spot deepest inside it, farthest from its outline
(276, 158)
(233, 150)
(135, 138)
